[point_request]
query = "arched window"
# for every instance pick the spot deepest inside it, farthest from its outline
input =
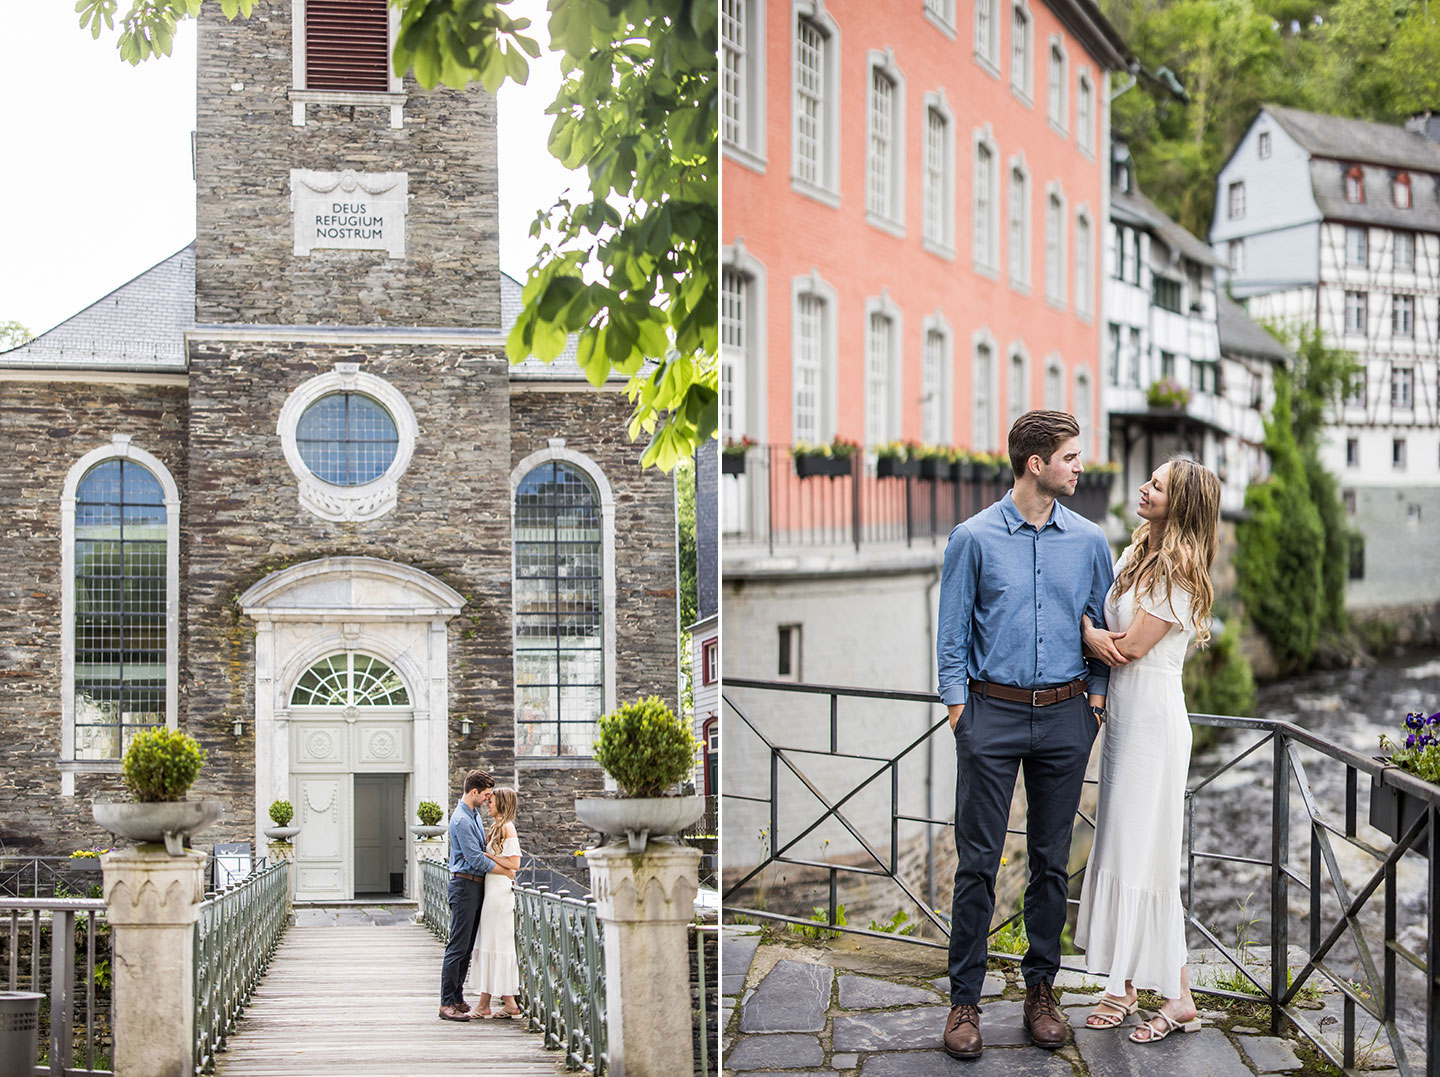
(1355, 185)
(349, 680)
(561, 603)
(1402, 191)
(120, 529)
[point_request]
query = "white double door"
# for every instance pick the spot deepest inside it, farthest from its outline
(350, 807)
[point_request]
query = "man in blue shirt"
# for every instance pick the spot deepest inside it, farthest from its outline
(468, 867)
(1017, 579)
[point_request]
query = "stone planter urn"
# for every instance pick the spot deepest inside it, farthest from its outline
(425, 833)
(637, 819)
(281, 833)
(168, 821)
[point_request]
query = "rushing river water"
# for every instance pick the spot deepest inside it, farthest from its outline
(1233, 815)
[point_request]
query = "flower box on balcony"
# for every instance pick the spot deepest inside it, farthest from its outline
(1393, 811)
(936, 467)
(894, 467)
(732, 463)
(810, 464)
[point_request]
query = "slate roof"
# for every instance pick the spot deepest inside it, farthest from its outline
(1345, 139)
(1134, 208)
(138, 326)
(1327, 179)
(1241, 336)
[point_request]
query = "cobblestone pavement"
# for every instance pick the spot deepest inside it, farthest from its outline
(873, 1008)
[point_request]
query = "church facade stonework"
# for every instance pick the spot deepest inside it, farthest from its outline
(335, 535)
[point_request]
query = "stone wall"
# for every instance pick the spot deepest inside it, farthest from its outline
(245, 147)
(645, 611)
(244, 520)
(48, 427)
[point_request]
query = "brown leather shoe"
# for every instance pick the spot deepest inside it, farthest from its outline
(455, 1013)
(962, 1032)
(1043, 1019)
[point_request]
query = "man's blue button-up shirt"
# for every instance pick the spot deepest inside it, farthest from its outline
(467, 842)
(1011, 599)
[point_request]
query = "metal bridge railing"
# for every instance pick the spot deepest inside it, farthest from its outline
(1303, 853)
(24, 957)
(235, 937)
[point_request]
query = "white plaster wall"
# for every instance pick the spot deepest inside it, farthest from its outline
(1277, 188)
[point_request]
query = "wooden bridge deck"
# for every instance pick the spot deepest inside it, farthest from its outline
(357, 992)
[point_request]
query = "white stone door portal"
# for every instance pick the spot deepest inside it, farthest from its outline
(351, 678)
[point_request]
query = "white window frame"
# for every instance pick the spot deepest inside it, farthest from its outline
(889, 412)
(1408, 238)
(755, 378)
(1085, 112)
(941, 14)
(1018, 224)
(938, 198)
(1056, 249)
(983, 414)
(556, 450)
(1235, 257)
(1085, 410)
(985, 215)
(1402, 316)
(942, 408)
(1084, 264)
(1022, 74)
(1264, 144)
(1054, 390)
(1057, 92)
(369, 500)
(120, 447)
(1235, 200)
(825, 187)
(826, 392)
(987, 36)
(1017, 392)
(1402, 387)
(1357, 253)
(889, 212)
(392, 99)
(750, 148)
(1357, 313)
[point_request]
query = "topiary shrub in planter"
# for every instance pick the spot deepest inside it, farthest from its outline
(281, 812)
(429, 813)
(648, 751)
(159, 769)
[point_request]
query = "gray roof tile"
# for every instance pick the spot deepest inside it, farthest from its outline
(1134, 208)
(1343, 138)
(1241, 336)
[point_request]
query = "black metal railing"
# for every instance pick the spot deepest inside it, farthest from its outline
(772, 503)
(1336, 947)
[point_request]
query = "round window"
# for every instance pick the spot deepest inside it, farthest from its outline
(347, 439)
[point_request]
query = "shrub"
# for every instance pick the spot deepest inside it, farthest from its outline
(281, 812)
(162, 764)
(645, 748)
(1218, 680)
(430, 813)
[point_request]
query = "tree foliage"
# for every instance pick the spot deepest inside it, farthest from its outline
(12, 335)
(632, 268)
(1218, 680)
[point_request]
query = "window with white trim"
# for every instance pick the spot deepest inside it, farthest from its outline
(733, 73)
(933, 395)
(1019, 227)
(1235, 200)
(710, 661)
(939, 186)
(983, 398)
(1113, 352)
(560, 611)
(987, 35)
(1137, 354)
(811, 345)
(1019, 385)
(1357, 246)
(986, 208)
(340, 55)
(1264, 144)
(815, 125)
(1401, 192)
(877, 380)
(1355, 312)
(733, 297)
(1355, 185)
(1085, 113)
(942, 13)
(1084, 411)
(1402, 315)
(1056, 104)
(1054, 385)
(1084, 253)
(885, 132)
(1055, 248)
(1235, 257)
(1405, 251)
(349, 679)
(1021, 51)
(1402, 387)
(1397, 454)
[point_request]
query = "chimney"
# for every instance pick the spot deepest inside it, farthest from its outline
(1426, 124)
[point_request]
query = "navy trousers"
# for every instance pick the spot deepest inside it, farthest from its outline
(993, 740)
(466, 896)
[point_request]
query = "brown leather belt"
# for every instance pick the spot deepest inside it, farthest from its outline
(467, 875)
(1036, 697)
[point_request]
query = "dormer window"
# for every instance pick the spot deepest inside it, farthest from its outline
(341, 56)
(1402, 191)
(1355, 185)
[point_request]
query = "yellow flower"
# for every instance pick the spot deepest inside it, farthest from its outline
(1004, 860)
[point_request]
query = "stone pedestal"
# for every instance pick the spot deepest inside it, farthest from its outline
(285, 850)
(153, 900)
(424, 849)
(645, 902)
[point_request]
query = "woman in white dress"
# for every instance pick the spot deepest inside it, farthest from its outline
(494, 966)
(1131, 924)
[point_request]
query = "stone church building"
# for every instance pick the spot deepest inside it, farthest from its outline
(284, 491)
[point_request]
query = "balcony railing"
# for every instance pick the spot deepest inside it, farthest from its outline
(770, 505)
(1372, 976)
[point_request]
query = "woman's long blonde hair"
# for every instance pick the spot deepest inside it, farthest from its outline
(1187, 549)
(503, 803)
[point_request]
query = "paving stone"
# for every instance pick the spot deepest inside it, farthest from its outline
(1270, 1054)
(1207, 1052)
(1244, 1030)
(793, 997)
(1079, 981)
(312, 917)
(736, 953)
(995, 984)
(1005, 1062)
(845, 1062)
(780, 1049)
(923, 1027)
(866, 993)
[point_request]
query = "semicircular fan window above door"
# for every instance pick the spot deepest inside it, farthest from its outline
(349, 680)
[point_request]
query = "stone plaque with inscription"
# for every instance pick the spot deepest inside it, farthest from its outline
(350, 211)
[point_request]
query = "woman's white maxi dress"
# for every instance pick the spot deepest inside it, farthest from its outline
(494, 966)
(1130, 923)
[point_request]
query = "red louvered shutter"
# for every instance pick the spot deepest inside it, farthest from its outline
(347, 45)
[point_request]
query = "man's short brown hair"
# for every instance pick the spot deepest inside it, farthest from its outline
(1039, 433)
(478, 779)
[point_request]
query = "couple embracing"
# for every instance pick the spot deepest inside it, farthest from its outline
(1042, 643)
